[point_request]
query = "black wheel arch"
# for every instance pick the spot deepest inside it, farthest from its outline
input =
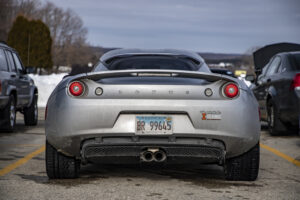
(33, 92)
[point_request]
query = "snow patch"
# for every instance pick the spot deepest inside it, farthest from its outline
(46, 84)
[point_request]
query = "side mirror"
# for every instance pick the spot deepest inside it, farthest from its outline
(250, 78)
(258, 71)
(23, 71)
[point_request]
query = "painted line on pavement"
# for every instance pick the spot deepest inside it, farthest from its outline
(280, 154)
(21, 145)
(22, 161)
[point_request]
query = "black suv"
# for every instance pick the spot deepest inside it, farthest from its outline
(17, 90)
(278, 92)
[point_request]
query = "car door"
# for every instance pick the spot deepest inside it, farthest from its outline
(267, 83)
(23, 79)
(4, 73)
(273, 80)
(12, 81)
(259, 92)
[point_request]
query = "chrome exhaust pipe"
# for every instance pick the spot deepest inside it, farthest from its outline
(147, 156)
(160, 156)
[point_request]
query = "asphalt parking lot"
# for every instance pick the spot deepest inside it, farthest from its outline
(23, 176)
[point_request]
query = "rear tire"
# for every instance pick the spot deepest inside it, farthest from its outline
(244, 167)
(31, 113)
(9, 115)
(59, 166)
(275, 126)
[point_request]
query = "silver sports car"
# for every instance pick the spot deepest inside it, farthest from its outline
(152, 106)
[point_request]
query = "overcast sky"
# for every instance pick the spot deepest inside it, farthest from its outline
(221, 26)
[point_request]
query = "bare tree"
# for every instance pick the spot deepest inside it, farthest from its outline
(66, 28)
(27, 8)
(68, 34)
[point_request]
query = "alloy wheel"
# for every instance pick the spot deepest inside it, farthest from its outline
(12, 115)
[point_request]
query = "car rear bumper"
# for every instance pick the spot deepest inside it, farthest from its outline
(290, 109)
(124, 150)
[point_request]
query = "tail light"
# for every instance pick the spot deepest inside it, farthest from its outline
(76, 88)
(296, 82)
(231, 90)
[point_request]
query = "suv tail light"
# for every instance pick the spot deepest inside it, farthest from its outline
(76, 88)
(296, 82)
(231, 90)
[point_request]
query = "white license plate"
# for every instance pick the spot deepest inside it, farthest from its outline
(153, 125)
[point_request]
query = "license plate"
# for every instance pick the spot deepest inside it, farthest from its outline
(153, 125)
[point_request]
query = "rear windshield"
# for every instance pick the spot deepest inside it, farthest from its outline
(295, 60)
(153, 62)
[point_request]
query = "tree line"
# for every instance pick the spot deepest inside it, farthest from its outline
(68, 35)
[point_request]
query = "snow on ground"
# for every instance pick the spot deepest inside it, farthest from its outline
(45, 85)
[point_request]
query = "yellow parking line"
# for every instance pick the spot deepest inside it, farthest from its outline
(280, 154)
(21, 145)
(22, 161)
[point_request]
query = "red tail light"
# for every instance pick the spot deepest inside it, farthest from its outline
(296, 82)
(76, 88)
(231, 90)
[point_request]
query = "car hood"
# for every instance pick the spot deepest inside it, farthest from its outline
(264, 54)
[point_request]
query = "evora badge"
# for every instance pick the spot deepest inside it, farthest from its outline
(211, 115)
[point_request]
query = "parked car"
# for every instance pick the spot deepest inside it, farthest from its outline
(277, 90)
(222, 71)
(160, 106)
(277, 87)
(17, 90)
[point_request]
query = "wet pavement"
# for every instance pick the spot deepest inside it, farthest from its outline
(278, 178)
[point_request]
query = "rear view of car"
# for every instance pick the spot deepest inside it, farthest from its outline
(278, 93)
(152, 106)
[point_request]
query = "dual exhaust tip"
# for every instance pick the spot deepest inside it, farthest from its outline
(151, 155)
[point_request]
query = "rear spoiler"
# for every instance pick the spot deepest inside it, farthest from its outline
(151, 72)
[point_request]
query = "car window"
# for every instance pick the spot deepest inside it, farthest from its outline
(18, 63)
(264, 70)
(11, 62)
(295, 60)
(272, 69)
(153, 62)
(3, 61)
